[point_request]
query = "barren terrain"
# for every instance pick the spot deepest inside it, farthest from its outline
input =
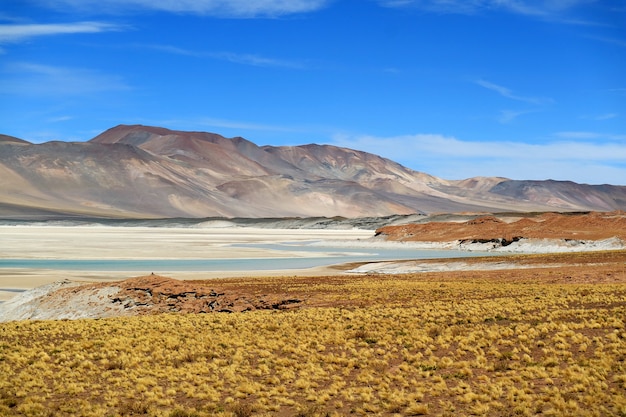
(546, 336)
(542, 341)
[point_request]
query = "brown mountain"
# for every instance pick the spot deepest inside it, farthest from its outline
(7, 138)
(140, 171)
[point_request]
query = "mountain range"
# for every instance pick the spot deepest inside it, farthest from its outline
(151, 172)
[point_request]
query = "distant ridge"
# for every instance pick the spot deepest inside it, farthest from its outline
(152, 172)
(7, 138)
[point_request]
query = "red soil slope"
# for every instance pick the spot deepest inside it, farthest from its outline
(587, 226)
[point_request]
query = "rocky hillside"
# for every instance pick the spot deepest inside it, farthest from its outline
(151, 172)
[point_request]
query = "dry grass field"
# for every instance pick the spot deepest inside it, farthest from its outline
(540, 341)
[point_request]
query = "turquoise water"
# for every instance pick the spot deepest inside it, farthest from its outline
(321, 256)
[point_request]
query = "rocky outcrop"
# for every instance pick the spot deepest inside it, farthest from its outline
(151, 294)
(156, 294)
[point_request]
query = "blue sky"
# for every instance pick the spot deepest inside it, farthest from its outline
(523, 89)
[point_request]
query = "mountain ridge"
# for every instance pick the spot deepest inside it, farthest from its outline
(140, 171)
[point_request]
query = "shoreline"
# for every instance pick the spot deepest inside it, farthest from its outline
(139, 243)
(14, 282)
(135, 242)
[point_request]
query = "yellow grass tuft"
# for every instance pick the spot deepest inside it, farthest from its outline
(410, 347)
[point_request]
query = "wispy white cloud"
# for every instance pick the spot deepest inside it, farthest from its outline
(600, 117)
(255, 60)
(439, 6)
(508, 93)
(538, 8)
(19, 32)
(609, 40)
(606, 116)
(565, 158)
(227, 126)
(241, 125)
(170, 49)
(590, 135)
(30, 79)
(446, 146)
(223, 8)
(554, 10)
(58, 119)
(527, 7)
(577, 135)
(236, 58)
(507, 116)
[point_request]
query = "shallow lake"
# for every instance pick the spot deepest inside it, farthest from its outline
(297, 255)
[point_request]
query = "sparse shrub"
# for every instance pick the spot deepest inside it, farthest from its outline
(434, 331)
(179, 412)
(133, 408)
(114, 365)
(308, 412)
(361, 334)
(416, 410)
(242, 410)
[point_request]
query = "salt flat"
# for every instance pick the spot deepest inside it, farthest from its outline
(101, 242)
(121, 242)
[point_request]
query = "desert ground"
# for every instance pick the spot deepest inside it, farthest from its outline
(540, 341)
(515, 335)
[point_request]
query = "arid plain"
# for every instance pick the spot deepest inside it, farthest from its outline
(547, 337)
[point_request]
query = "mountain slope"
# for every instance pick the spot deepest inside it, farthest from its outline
(7, 138)
(141, 171)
